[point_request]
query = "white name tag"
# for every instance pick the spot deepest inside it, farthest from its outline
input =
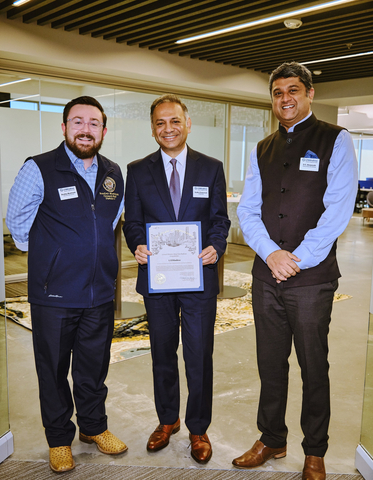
(201, 192)
(67, 193)
(309, 164)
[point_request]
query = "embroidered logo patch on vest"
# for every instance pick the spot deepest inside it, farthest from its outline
(109, 184)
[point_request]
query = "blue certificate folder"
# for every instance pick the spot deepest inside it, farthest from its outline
(174, 265)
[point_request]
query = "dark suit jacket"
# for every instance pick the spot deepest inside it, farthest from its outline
(148, 200)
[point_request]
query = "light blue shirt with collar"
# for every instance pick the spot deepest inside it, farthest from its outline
(27, 193)
(339, 201)
(180, 165)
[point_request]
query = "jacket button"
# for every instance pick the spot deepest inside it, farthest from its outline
(288, 141)
(282, 190)
(281, 242)
(286, 164)
(281, 215)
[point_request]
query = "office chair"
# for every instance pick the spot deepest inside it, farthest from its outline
(370, 199)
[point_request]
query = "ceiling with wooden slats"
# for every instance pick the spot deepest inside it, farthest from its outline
(155, 24)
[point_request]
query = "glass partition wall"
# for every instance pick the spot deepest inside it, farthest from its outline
(31, 117)
(30, 123)
(247, 126)
(6, 437)
(364, 451)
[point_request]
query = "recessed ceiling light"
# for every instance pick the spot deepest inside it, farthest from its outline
(337, 58)
(292, 23)
(262, 21)
(18, 3)
(317, 72)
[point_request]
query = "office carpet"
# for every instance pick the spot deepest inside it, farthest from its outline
(25, 470)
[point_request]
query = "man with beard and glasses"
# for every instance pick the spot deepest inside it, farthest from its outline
(63, 208)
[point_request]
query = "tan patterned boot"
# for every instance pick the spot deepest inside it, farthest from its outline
(61, 459)
(106, 442)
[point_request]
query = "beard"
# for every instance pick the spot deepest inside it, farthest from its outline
(84, 151)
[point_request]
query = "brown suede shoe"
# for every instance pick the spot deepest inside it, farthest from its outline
(61, 459)
(201, 448)
(160, 438)
(314, 468)
(106, 442)
(257, 455)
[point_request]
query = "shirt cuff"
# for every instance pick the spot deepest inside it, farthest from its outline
(306, 259)
(267, 247)
(21, 246)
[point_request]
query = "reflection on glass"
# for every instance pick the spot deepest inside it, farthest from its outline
(30, 123)
(19, 127)
(367, 420)
(248, 127)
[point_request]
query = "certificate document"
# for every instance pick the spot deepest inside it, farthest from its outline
(174, 265)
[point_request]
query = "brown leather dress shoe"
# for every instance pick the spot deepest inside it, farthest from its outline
(314, 468)
(257, 455)
(160, 438)
(61, 459)
(201, 448)
(106, 442)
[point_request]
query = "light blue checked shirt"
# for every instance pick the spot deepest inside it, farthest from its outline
(27, 194)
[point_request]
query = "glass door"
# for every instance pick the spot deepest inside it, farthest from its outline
(364, 451)
(6, 437)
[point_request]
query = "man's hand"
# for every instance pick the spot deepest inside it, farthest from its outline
(208, 255)
(141, 254)
(282, 265)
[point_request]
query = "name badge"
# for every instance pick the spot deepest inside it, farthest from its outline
(67, 193)
(309, 164)
(201, 192)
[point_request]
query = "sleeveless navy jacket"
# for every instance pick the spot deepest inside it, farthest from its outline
(72, 261)
(292, 198)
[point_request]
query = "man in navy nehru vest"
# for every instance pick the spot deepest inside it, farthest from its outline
(299, 195)
(63, 208)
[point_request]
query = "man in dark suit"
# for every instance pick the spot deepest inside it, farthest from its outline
(148, 200)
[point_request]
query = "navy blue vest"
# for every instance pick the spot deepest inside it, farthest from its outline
(72, 261)
(292, 198)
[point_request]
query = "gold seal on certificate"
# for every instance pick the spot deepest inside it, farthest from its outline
(174, 265)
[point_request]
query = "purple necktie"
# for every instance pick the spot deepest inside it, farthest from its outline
(175, 187)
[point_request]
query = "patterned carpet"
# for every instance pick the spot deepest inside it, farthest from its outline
(22, 470)
(231, 314)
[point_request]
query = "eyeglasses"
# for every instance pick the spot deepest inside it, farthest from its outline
(78, 124)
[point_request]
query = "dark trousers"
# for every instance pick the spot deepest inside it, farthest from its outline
(86, 334)
(302, 315)
(197, 333)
